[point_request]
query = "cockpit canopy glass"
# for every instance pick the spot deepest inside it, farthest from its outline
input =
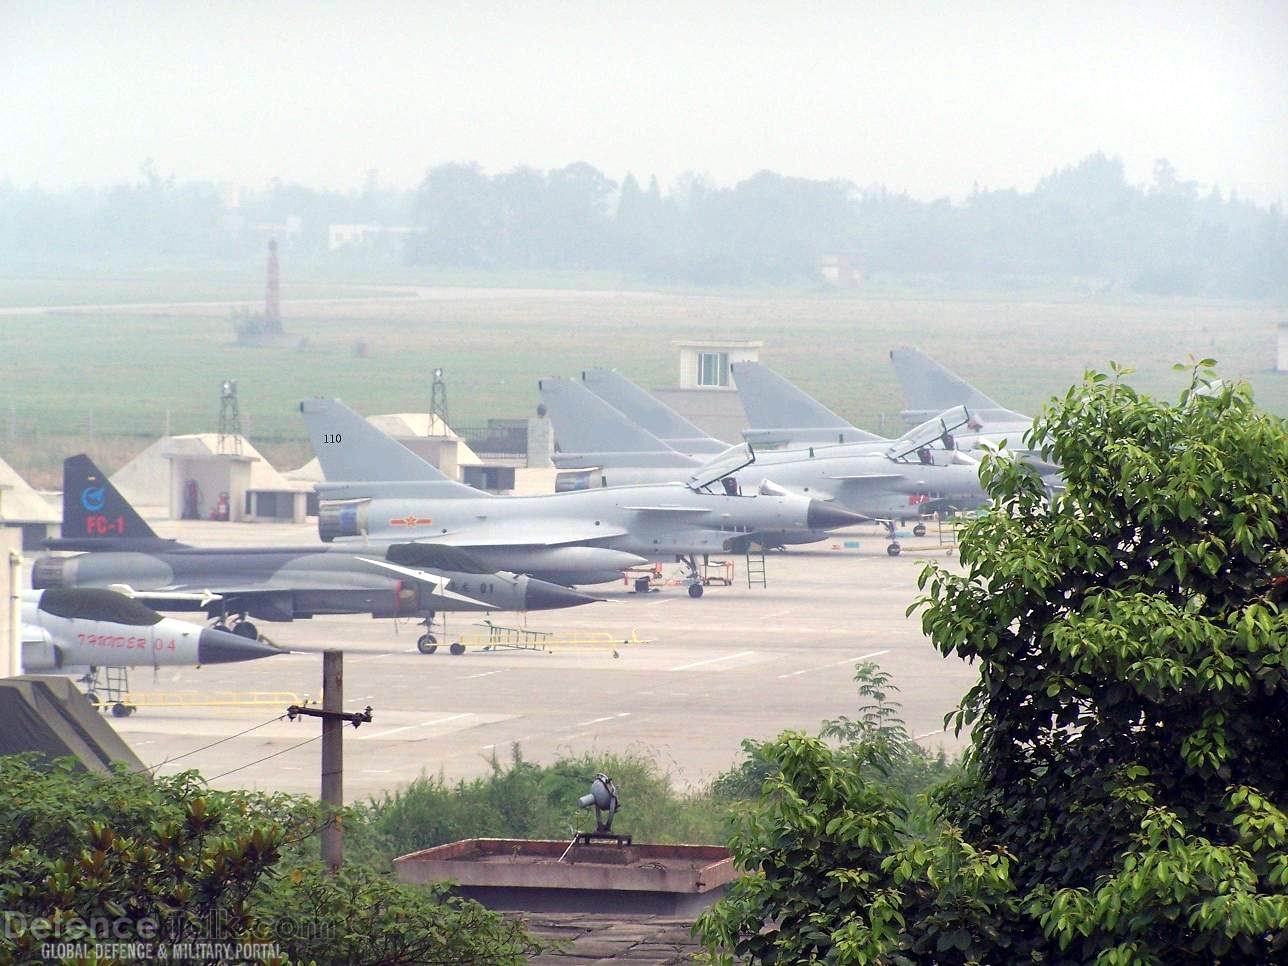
(94, 604)
(934, 433)
(725, 464)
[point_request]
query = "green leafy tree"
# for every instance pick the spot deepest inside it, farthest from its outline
(1130, 717)
(1124, 797)
(124, 857)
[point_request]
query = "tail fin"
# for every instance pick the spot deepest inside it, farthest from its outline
(587, 426)
(929, 388)
(773, 403)
(653, 415)
(351, 450)
(95, 514)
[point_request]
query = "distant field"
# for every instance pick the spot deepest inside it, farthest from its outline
(89, 374)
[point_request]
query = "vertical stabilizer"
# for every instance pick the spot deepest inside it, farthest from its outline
(351, 450)
(774, 405)
(95, 514)
(929, 388)
(649, 412)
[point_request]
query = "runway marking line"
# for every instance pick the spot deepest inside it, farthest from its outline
(848, 660)
(711, 660)
(481, 674)
(607, 717)
(423, 724)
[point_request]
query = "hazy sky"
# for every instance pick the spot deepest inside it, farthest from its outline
(928, 98)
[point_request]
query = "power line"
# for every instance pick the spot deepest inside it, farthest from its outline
(265, 758)
(167, 761)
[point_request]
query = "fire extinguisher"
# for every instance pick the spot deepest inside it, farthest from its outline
(221, 508)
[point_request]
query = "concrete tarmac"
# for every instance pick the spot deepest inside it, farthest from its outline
(737, 663)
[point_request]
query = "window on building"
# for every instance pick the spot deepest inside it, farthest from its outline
(713, 368)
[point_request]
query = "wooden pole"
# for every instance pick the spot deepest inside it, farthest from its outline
(332, 757)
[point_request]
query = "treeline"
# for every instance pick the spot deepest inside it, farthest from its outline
(1085, 222)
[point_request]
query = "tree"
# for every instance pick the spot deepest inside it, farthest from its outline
(1130, 716)
(1125, 791)
(123, 857)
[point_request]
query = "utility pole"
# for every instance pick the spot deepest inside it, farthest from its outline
(332, 757)
(333, 718)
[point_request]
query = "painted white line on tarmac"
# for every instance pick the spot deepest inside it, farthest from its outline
(711, 660)
(481, 674)
(607, 717)
(423, 724)
(931, 734)
(848, 660)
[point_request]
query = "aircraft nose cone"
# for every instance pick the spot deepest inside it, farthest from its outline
(543, 595)
(829, 516)
(225, 647)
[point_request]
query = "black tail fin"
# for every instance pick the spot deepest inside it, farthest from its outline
(96, 516)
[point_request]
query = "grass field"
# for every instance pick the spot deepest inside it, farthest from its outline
(76, 377)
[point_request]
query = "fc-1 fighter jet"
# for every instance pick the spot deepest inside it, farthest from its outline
(681, 521)
(397, 579)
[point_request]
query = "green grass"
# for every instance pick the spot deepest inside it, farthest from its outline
(97, 374)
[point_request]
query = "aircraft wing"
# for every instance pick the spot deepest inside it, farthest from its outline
(865, 477)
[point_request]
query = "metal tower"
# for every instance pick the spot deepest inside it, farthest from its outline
(438, 404)
(230, 431)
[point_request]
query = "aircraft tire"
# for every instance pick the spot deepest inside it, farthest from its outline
(247, 630)
(457, 648)
(427, 644)
(120, 710)
(695, 591)
(894, 550)
(919, 530)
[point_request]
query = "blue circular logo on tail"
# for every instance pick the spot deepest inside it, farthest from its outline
(93, 498)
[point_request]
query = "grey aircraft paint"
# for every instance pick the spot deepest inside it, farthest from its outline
(659, 521)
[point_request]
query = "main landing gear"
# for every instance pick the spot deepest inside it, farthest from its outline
(893, 549)
(694, 576)
(427, 643)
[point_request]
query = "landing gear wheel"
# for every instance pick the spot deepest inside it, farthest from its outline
(120, 710)
(641, 585)
(894, 550)
(427, 644)
(695, 591)
(92, 697)
(919, 530)
(457, 648)
(247, 630)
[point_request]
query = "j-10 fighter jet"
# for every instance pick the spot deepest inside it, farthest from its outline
(884, 481)
(683, 521)
(231, 585)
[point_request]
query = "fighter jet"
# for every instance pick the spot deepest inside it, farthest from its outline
(884, 481)
(82, 631)
(233, 584)
(781, 416)
(650, 414)
(680, 521)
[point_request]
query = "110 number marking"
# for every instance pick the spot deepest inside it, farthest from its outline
(330, 437)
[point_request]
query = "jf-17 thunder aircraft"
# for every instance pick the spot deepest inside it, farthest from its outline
(81, 630)
(398, 579)
(884, 481)
(378, 490)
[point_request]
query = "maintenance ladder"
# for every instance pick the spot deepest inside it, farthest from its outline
(756, 573)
